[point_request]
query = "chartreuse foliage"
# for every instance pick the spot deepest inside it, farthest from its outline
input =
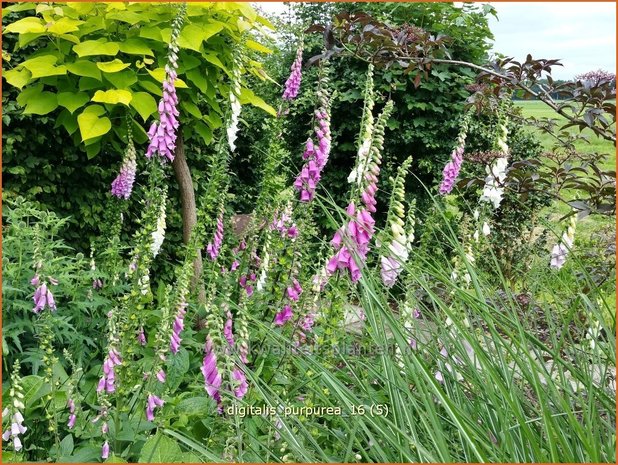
(94, 62)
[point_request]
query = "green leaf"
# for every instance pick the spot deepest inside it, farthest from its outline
(144, 104)
(31, 24)
(192, 35)
(160, 449)
(17, 77)
(191, 108)
(43, 66)
(135, 47)
(91, 124)
(151, 32)
(63, 26)
(247, 96)
(66, 445)
(96, 47)
(122, 79)
(31, 385)
(93, 150)
(72, 101)
(159, 75)
(115, 459)
(87, 83)
(197, 78)
(151, 87)
(204, 131)
(195, 406)
(257, 46)
(213, 59)
(113, 96)
(84, 68)
(41, 104)
(112, 66)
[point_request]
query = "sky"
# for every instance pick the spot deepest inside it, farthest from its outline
(581, 34)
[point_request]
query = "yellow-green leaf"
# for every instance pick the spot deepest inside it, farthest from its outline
(17, 77)
(43, 66)
(72, 100)
(84, 68)
(258, 47)
(135, 47)
(192, 35)
(247, 96)
(96, 47)
(112, 66)
(63, 26)
(144, 104)
(159, 75)
(92, 124)
(26, 25)
(41, 104)
(113, 96)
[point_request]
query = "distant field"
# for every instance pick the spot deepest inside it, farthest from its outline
(536, 109)
(591, 224)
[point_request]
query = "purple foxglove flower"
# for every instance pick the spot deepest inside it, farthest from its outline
(152, 403)
(35, 280)
(227, 329)
(71, 405)
(51, 303)
(105, 451)
(177, 328)
(235, 265)
(283, 316)
(104, 427)
(214, 247)
(161, 376)
(451, 171)
(292, 85)
(72, 419)
(212, 377)
(141, 336)
(242, 386)
(97, 284)
(122, 186)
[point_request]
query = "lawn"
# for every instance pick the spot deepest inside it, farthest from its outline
(537, 109)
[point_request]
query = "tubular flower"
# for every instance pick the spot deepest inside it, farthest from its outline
(107, 382)
(351, 242)
(398, 250)
(284, 224)
(283, 316)
(366, 135)
(232, 129)
(177, 327)
(214, 247)
(292, 85)
(152, 403)
(294, 291)
(123, 184)
(227, 329)
(42, 295)
(159, 234)
(560, 251)
(240, 385)
(493, 190)
(72, 416)
(13, 410)
(316, 155)
(452, 168)
(141, 337)
(163, 134)
(105, 451)
(212, 377)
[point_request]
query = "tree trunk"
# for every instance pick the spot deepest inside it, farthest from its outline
(188, 209)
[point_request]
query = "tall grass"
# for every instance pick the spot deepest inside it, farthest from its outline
(524, 385)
